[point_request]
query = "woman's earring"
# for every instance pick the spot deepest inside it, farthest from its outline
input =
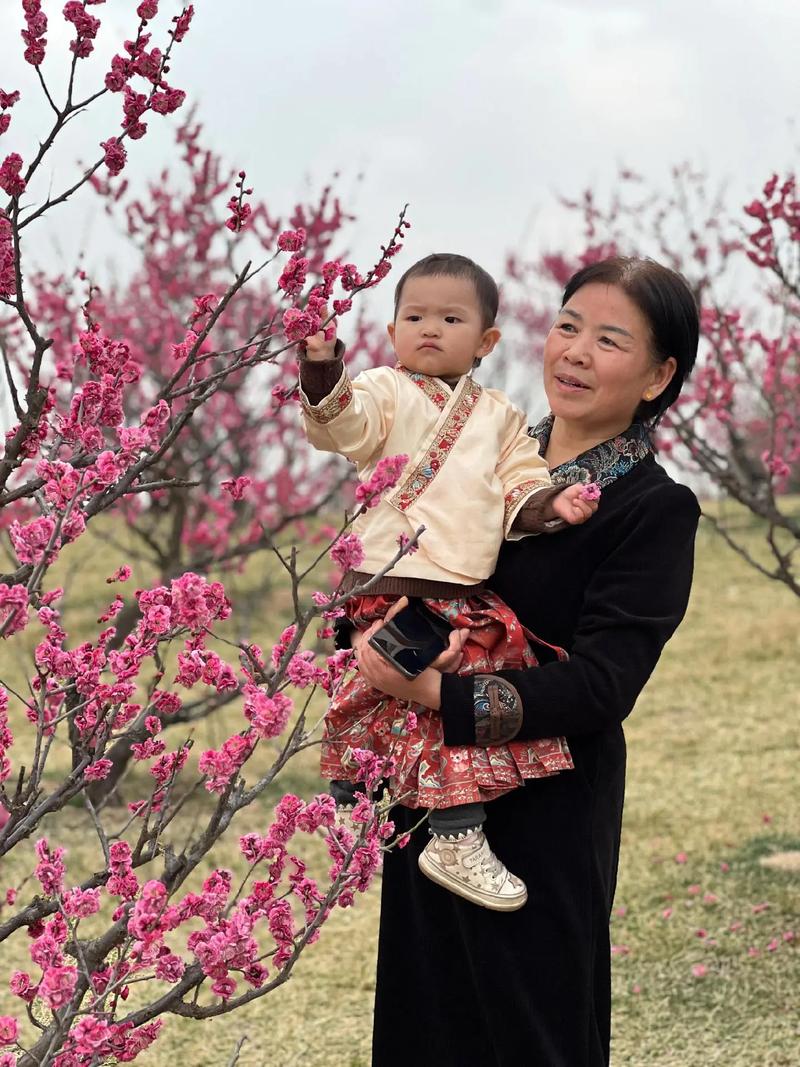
(648, 395)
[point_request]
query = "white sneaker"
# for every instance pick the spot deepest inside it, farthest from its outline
(467, 867)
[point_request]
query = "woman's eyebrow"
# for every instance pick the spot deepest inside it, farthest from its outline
(609, 329)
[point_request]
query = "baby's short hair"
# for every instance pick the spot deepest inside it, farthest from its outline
(454, 266)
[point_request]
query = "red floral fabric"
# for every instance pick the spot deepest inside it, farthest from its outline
(428, 773)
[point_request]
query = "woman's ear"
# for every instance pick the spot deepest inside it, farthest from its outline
(662, 376)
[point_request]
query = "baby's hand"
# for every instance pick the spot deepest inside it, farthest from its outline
(321, 346)
(576, 503)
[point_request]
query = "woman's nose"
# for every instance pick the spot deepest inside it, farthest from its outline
(576, 352)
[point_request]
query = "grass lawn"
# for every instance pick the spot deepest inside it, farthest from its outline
(706, 958)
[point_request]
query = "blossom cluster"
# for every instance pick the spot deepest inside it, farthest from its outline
(385, 476)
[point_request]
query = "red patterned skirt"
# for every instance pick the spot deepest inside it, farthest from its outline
(427, 773)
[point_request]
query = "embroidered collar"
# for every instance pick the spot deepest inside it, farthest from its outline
(602, 464)
(439, 390)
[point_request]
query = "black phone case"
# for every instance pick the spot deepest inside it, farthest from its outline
(412, 654)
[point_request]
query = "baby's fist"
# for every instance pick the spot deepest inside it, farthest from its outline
(576, 503)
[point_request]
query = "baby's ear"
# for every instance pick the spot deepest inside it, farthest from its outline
(488, 342)
(390, 331)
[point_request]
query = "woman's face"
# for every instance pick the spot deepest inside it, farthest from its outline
(597, 362)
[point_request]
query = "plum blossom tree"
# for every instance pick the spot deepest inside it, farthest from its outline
(738, 422)
(165, 402)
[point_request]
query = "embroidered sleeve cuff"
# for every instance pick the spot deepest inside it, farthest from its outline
(527, 499)
(530, 519)
(482, 710)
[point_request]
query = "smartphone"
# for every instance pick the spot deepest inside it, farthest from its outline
(412, 639)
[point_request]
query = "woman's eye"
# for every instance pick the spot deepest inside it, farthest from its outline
(566, 326)
(608, 341)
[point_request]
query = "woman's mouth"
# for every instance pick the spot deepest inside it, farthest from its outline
(566, 381)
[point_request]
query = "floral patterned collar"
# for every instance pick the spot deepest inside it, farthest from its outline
(602, 464)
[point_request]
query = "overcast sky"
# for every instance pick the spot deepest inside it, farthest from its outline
(478, 112)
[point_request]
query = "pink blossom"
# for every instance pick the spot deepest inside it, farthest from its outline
(50, 868)
(31, 540)
(98, 770)
(197, 603)
(182, 22)
(80, 903)
(8, 280)
(348, 552)
(166, 703)
(147, 9)
(13, 608)
(236, 486)
(298, 325)
(385, 476)
(350, 277)
(89, 1034)
(9, 1030)
(57, 985)
(22, 986)
(699, 970)
(224, 987)
(405, 545)
(115, 155)
(169, 967)
(591, 491)
(681, 857)
(182, 350)
(11, 181)
(293, 277)
(302, 672)
(147, 917)
(267, 715)
(292, 240)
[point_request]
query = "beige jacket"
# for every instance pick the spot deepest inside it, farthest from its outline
(471, 467)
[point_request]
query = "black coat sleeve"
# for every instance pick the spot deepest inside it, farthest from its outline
(632, 605)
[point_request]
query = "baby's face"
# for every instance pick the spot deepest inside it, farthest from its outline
(438, 329)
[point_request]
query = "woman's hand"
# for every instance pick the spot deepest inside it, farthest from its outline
(425, 689)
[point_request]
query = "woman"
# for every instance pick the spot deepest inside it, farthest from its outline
(459, 985)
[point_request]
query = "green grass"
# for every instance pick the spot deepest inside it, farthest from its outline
(713, 749)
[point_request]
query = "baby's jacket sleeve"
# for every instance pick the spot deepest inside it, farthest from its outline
(522, 472)
(355, 417)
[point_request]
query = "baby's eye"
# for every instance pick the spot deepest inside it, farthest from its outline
(413, 318)
(451, 319)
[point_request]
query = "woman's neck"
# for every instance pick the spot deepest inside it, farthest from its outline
(569, 439)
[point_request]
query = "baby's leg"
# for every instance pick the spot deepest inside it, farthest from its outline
(459, 858)
(346, 794)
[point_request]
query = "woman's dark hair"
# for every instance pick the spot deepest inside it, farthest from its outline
(668, 304)
(455, 266)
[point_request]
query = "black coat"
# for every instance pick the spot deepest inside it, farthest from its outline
(459, 985)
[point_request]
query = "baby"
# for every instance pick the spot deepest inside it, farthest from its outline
(474, 477)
